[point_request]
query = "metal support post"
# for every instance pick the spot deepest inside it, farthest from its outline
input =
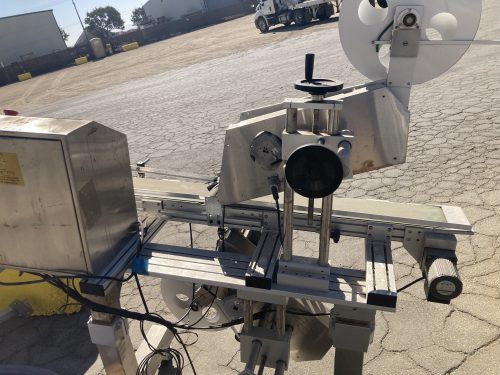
(348, 362)
(110, 334)
(252, 360)
(288, 223)
(351, 331)
(291, 120)
(280, 368)
(281, 320)
(324, 233)
(247, 315)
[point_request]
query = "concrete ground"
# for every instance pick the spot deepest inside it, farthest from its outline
(177, 115)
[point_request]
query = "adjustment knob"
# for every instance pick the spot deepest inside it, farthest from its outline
(316, 86)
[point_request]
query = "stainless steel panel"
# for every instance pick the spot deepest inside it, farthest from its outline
(378, 121)
(75, 206)
(241, 178)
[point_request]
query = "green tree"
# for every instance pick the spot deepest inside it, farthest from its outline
(139, 16)
(102, 20)
(64, 34)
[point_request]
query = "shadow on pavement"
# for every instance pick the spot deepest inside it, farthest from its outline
(58, 343)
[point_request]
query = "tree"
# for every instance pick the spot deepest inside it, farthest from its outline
(64, 34)
(139, 16)
(102, 20)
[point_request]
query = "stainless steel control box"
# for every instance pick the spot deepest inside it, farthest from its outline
(66, 195)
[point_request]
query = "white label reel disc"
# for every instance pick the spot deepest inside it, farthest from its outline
(364, 21)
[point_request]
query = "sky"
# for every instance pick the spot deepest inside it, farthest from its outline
(65, 12)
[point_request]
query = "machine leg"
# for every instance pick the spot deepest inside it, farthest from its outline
(110, 334)
(351, 330)
(348, 362)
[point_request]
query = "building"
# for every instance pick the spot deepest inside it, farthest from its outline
(25, 36)
(171, 10)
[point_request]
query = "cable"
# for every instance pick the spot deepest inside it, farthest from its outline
(276, 197)
(69, 277)
(301, 313)
(207, 310)
(191, 235)
(410, 284)
(377, 46)
(279, 221)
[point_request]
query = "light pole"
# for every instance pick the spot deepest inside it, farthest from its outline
(84, 31)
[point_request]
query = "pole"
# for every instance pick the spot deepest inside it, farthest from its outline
(83, 27)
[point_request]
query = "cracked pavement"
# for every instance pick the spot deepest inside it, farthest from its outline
(178, 119)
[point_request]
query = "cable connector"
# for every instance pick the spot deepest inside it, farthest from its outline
(274, 184)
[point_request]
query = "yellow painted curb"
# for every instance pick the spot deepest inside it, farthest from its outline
(81, 60)
(24, 76)
(43, 298)
(130, 46)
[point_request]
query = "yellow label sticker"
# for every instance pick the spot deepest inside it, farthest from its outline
(10, 171)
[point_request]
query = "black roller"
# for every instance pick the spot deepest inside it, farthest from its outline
(314, 171)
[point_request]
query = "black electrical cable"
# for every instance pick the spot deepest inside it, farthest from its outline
(279, 221)
(191, 235)
(377, 46)
(207, 310)
(301, 313)
(69, 277)
(410, 284)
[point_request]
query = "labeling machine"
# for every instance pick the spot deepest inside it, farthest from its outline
(69, 207)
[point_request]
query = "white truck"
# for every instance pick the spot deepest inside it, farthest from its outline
(274, 12)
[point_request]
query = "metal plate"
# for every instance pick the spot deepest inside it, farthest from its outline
(361, 24)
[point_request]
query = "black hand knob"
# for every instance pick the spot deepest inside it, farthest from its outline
(309, 66)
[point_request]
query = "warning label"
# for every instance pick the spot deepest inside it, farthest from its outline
(10, 171)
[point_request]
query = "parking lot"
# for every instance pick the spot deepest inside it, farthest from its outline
(174, 100)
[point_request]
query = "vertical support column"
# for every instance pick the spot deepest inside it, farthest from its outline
(348, 362)
(288, 223)
(351, 330)
(110, 334)
(334, 117)
(324, 232)
(247, 315)
(291, 120)
(281, 320)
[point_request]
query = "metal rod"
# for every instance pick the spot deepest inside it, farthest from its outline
(291, 120)
(247, 315)
(280, 320)
(334, 124)
(288, 223)
(253, 358)
(324, 232)
(446, 42)
(280, 368)
(262, 365)
(310, 211)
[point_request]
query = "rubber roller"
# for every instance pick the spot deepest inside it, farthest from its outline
(442, 280)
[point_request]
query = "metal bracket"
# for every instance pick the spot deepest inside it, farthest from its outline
(303, 274)
(261, 269)
(380, 281)
(274, 348)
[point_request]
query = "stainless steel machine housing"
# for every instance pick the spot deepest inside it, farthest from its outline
(66, 195)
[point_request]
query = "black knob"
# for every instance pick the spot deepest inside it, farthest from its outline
(309, 66)
(315, 86)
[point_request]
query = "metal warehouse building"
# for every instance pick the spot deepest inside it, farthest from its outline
(29, 35)
(171, 10)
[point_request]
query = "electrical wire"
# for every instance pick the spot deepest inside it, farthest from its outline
(69, 277)
(279, 221)
(410, 284)
(377, 46)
